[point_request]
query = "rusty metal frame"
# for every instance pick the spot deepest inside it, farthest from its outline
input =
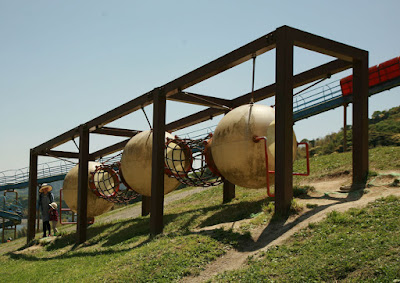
(283, 39)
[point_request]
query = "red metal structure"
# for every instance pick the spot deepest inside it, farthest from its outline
(376, 75)
(62, 211)
(257, 139)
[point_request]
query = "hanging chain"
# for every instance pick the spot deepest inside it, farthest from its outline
(145, 115)
(73, 139)
(253, 78)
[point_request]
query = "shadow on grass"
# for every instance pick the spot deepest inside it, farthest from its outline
(113, 234)
(124, 232)
(233, 212)
(278, 226)
(120, 231)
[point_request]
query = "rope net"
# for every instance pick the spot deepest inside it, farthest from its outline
(107, 182)
(190, 162)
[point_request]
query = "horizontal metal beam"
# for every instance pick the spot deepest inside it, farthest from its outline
(240, 55)
(203, 100)
(306, 77)
(108, 150)
(325, 46)
(300, 79)
(123, 110)
(59, 140)
(234, 58)
(64, 154)
(97, 123)
(115, 132)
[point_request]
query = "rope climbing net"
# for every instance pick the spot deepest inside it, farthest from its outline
(107, 182)
(190, 162)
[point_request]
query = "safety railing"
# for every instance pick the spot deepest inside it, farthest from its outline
(45, 170)
(316, 96)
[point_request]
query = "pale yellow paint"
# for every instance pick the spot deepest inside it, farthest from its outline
(239, 159)
(136, 163)
(95, 205)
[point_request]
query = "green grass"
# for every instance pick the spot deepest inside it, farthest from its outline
(335, 164)
(359, 245)
(123, 250)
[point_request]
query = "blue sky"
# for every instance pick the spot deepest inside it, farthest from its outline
(63, 63)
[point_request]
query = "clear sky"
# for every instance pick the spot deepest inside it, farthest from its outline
(63, 63)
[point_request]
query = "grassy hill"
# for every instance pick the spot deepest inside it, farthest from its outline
(384, 130)
(362, 244)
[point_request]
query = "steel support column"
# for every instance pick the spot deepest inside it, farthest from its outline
(146, 205)
(32, 196)
(284, 121)
(360, 122)
(82, 183)
(157, 168)
(228, 191)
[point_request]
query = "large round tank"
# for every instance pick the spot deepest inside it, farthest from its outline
(136, 164)
(95, 205)
(239, 159)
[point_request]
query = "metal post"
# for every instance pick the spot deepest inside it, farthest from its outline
(32, 195)
(284, 121)
(228, 191)
(157, 169)
(146, 205)
(360, 122)
(345, 127)
(82, 183)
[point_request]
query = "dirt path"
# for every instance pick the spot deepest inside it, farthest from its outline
(327, 197)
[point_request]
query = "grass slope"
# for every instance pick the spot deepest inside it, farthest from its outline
(122, 250)
(336, 164)
(359, 245)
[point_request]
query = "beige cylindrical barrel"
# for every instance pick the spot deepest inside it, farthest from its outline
(95, 205)
(239, 159)
(136, 163)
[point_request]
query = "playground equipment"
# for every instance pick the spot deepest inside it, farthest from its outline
(198, 167)
(108, 183)
(235, 150)
(283, 39)
(136, 162)
(95, 205)
(11, 214)
(382, 77)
